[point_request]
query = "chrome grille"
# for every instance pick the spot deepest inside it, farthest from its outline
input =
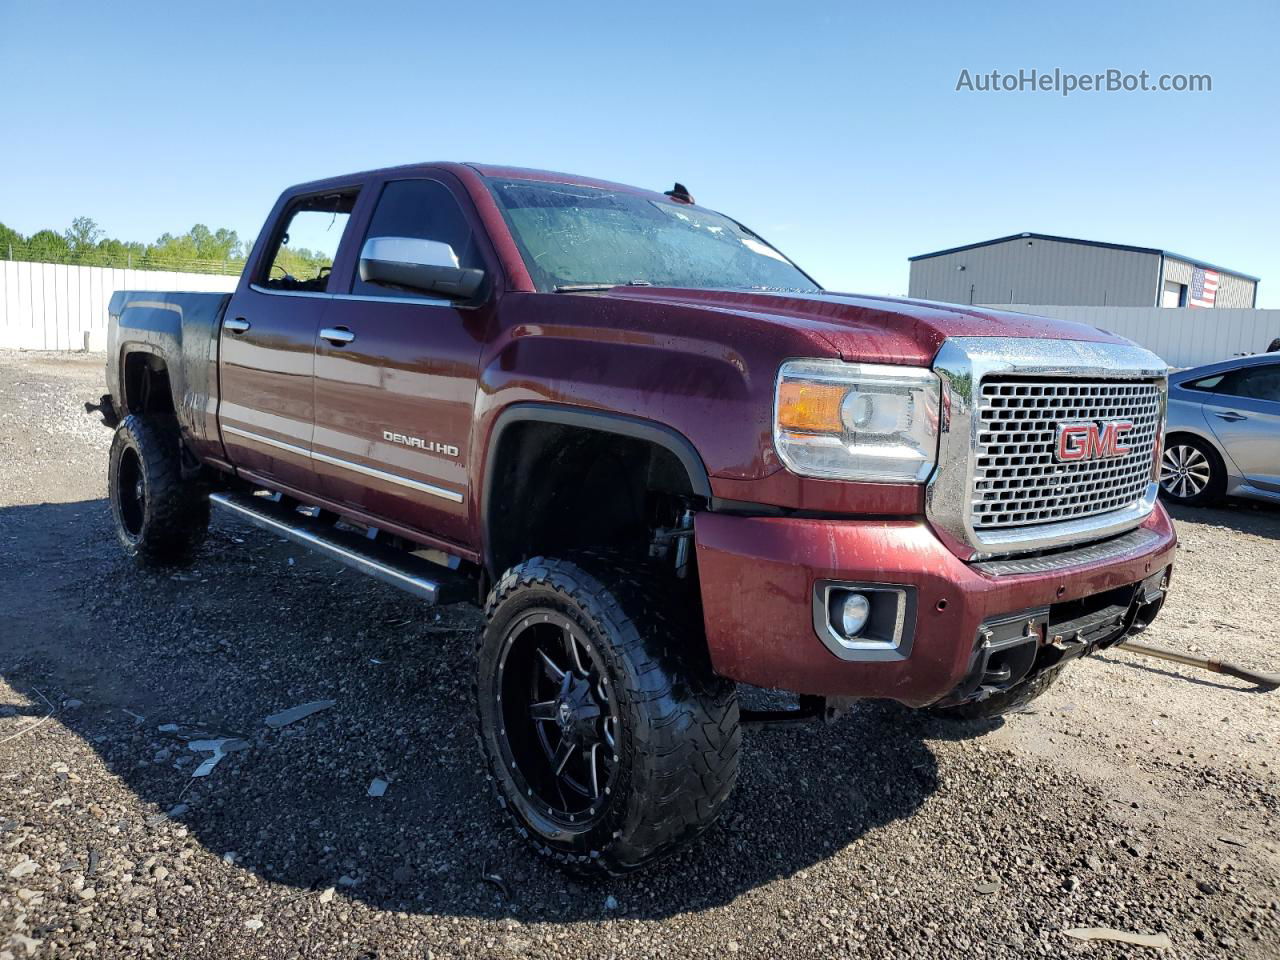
(1017, 480)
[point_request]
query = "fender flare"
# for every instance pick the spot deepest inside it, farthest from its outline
(601, 421)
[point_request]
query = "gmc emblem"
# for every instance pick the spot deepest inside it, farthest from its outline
(1091, 441)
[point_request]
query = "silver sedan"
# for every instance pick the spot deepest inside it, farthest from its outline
(1223, 437)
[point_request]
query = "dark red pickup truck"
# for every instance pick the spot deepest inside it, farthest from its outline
(662, 458)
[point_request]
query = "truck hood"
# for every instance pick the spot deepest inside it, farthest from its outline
(871, 329)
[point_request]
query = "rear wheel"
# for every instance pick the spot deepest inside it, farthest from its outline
(159, 517)
(609, 740)
(1191, 472)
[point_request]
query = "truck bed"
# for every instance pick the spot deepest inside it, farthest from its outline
(182, 329)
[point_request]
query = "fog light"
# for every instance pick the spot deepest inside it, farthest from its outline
(849, 613)
(864, 621)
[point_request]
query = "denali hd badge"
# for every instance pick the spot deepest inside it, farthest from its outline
(1091, 441)
(429, 446)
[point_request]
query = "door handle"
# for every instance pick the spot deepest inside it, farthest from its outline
(338, 336)
(238, 325)
(1231, 416)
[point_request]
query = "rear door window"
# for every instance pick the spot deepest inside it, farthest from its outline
(303, 252)
(1208, 384)
(1253, 383)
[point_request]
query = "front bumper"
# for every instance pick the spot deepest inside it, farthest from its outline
(759, 575)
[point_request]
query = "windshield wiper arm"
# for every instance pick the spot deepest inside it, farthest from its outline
(580, 287)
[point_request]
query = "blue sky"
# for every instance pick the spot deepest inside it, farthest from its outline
(834, 130)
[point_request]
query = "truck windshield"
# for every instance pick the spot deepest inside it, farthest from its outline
(578, 237)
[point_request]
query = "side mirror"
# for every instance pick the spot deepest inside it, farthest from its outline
(426, 266)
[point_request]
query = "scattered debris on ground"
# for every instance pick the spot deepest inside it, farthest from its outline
(300, 712)
(1136, 796)
(218, 749)
(1157, 941)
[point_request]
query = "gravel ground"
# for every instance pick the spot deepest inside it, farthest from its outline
(1134, 796)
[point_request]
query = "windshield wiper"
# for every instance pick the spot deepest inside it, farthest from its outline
(581, 287)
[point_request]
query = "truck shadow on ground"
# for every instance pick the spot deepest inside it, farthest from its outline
(254, 626)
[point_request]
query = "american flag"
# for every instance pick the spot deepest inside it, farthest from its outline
(1204, 287)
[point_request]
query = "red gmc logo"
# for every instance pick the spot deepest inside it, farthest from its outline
(1091, 441)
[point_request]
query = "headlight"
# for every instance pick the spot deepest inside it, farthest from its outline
(857, 421)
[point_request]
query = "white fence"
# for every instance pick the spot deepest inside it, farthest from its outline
(52, 306)
(1181, 336)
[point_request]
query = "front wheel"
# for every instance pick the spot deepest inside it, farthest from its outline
(609, 740)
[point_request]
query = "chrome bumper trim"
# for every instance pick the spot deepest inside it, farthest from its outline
(1131, 543)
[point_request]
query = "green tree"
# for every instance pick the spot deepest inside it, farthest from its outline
(84, 242)
(47, 246)
(12, 243)
(82, 239)
(198, 243)
(227, 244)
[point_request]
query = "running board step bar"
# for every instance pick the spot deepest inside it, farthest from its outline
(422, 578)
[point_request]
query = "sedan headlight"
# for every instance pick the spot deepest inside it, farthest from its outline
(857, 421)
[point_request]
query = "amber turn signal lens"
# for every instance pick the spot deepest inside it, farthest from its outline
(812, 407)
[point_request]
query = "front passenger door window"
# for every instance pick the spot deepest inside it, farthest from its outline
(422, 210)
(395, 397)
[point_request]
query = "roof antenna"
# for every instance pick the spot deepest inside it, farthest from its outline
(679, 193)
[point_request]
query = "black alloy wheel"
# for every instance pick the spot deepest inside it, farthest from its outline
(131, 494)
(161, 517)
(610, 741)
(559, 717)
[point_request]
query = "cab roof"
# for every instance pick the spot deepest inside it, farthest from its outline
(465, 170)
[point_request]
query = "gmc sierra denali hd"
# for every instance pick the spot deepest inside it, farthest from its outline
(664, 461)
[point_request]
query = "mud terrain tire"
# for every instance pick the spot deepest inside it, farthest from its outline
(624, 657)
(160, 518)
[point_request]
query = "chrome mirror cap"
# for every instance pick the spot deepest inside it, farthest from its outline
(409, 250)
(411, 263)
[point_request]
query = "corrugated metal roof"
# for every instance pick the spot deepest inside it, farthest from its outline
(1086, 243)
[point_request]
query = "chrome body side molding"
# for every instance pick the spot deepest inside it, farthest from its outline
(443, 493)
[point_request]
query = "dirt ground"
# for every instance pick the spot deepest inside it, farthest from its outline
(1136, 795)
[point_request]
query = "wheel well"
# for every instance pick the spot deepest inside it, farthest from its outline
(1205, 442)
(554, 488)
(1214, 452)
(146, 385)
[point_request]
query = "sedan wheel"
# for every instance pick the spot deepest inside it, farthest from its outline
(1185, 471)
(1190, 473)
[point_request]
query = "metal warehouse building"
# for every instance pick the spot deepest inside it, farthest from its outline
(1039, 269)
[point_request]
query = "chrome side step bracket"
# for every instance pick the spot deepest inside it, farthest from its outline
(422, 578)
